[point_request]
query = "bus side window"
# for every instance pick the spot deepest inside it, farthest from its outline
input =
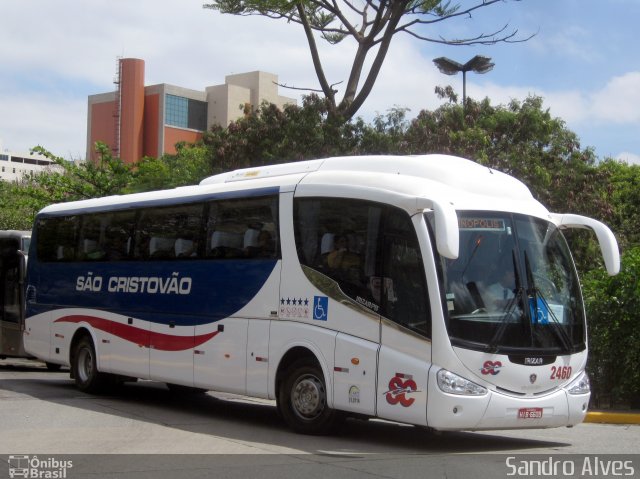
(157, 230)
(118, 236)
(243, 228)
(371, 251)
(404, 289)
(340, 239)
(57, 238)
(90, 238)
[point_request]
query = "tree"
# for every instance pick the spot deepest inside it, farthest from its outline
(20, 201)
(622, 193)
(16, 210)
(79, 180)
(271, 135)
(189, 165)
(612, 304)
(372, 26)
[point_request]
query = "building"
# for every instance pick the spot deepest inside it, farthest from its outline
(138, 120)
(14, 166)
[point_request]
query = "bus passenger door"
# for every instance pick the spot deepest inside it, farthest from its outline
(405, 350)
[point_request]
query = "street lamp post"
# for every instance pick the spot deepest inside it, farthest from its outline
(478, 64)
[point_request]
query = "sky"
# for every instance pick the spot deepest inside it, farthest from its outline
(583, 61)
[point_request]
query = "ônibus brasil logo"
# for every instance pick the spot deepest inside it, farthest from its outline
(38, 468)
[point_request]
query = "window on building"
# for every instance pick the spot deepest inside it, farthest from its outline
(185, 113)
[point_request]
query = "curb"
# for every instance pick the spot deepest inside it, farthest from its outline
(612, 417)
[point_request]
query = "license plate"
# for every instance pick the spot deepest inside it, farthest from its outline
(530, 413)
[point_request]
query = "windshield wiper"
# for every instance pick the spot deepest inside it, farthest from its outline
(536, 295)
(509, 309)
(479, 240)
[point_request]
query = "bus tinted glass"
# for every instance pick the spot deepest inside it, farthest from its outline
(10, 280)
(513, 286)
(220, 229)
(366, 253)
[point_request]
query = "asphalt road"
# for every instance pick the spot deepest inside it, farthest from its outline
(143, 430)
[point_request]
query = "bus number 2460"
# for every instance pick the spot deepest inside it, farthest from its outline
(560, 372)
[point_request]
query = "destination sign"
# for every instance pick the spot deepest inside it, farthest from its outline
(485, 224)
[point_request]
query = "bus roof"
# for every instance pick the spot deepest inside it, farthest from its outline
(457, 181)
(461, 182)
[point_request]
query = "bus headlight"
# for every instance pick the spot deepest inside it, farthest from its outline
(453, 384)
(580, 385)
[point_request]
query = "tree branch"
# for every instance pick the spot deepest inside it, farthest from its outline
(315, 56)
(284, 85)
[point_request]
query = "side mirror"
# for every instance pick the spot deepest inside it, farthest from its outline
(447, 232)
(606, 239)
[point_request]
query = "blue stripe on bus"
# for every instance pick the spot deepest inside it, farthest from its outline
(185, 292)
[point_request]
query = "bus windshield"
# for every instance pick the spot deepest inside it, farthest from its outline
(513, 288)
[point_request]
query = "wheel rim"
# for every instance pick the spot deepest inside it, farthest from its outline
(85, 365)
(308, 397)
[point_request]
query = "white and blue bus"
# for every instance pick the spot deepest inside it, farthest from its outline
(427, 290)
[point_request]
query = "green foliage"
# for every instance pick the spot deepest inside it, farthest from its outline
(16, 210)
(613, 303)
(621, 191)
(79, 181)
(271, 135)
(71, 181)
(187, 166)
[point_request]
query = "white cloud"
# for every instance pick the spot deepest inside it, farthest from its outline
(630, 158)
(569, 41)
(56, 123)
(619, 100)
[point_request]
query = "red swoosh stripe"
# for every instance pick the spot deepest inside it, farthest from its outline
(141, 337)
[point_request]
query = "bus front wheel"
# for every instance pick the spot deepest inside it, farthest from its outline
(302, 400)
(85, 367)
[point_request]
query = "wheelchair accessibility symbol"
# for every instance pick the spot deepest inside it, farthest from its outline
(320, 308)
(539, 311)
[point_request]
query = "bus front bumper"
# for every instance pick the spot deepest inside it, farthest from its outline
(497, 410)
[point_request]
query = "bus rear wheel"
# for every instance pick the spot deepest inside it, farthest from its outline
(85, 367)
(302, 400)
